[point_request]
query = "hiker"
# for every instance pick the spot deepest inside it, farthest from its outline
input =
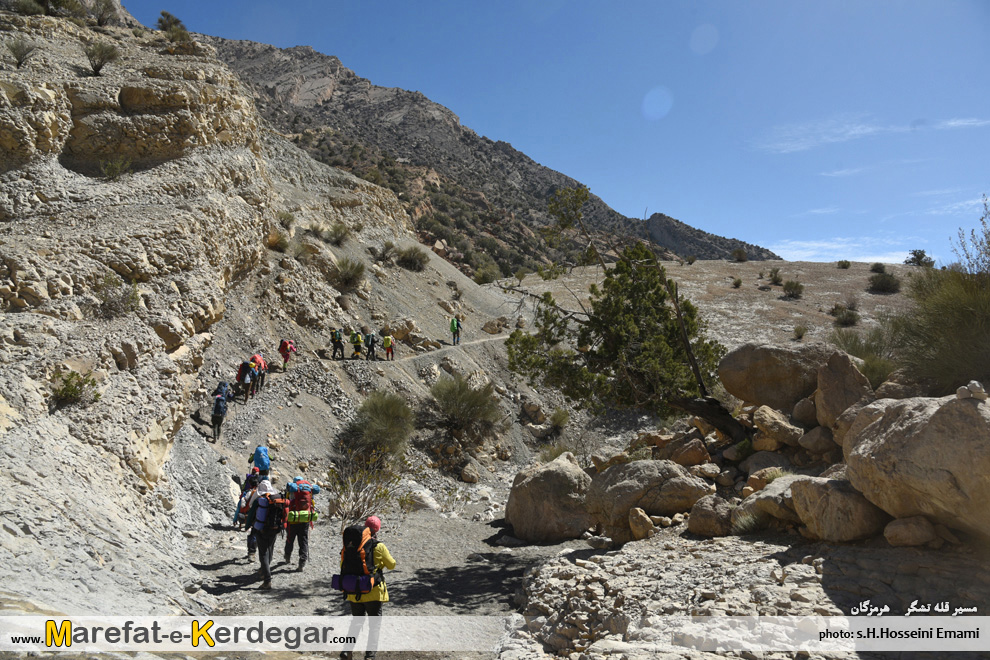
(251, 479)
(356, 341)
(221, 395)
(302, 515)
(261, 365)
(337, 337)
(388, 341)
(245, 376)
(370, 340)
(286, 348)
(266, 521)
(455, 329)
(377, 559)
(261, 460)
(248, 490)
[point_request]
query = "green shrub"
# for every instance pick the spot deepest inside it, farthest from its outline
(29, 8)
(350, 272)
(285, 219)
(99, 54)
(116, 298)
(464, 407)
(845, 318)
(487, 273)
(747, 522)
(974, 251)
(775, 276)
(878, 268)
(739, 254)
(919, 258)
(844, 264)
(559, 419)
(799, 331)
(360, 485)
(383, 424)
(337, 234)
(521, 274)
(876, 348)
(736, 283)
(413, 258)
(22, 50)
(690, 259)
(115, 167)
(793, 289)
(71, 387)
(178, 35)
(105, 12)
(387, 253)
(884, 283)
(279, 241)
(550, 452)
(167, 21)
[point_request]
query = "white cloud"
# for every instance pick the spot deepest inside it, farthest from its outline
(963, 207)
(936, 193)
(962, 123)
(801, 137)
(852, 171)
(831, 210)
(860, 248)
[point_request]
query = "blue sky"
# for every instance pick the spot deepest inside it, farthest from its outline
(823, 130)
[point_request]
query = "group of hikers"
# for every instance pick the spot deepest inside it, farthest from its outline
(267, 513)
(361, 343)
(249, 380)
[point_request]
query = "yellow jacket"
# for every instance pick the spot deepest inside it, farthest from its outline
(383, 559)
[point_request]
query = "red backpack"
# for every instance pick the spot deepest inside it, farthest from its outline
(301, 509)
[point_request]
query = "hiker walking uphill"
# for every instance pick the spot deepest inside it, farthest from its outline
(286, 348)
(246, 375)
(261, 366)
(337, 339)
(370, 340)
(388, 341)
(302, 515)
(363, 561)
(266, 520)
(455, 330)
(221, 395)
(261, 460)
(356, 341)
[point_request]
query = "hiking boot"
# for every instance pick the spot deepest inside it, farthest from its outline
(266, 585)
(252, 556)
(286, 558)
(302, 563)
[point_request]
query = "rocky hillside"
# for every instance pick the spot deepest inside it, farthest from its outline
(482, 195)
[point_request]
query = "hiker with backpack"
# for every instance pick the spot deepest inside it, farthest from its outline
(249, 489)
(388, 341)
(261, 365)
(370, 340)
(363, 561)
(455, 330)
(245, 376)
(302, 515)
(356, 341)
(337, 338)
(286, 348)
(221, 395)
(266, 520)
(261, 460)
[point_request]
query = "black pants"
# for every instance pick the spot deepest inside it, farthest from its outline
(371, 608)
(298, 531)
(266, 547)
(371, 352)
(217, 421)
(261, 380)
(338, 347)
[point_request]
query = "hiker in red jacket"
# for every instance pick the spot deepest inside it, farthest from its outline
(286, 348)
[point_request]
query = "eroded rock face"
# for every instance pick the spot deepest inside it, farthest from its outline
(833, 510)
(658, 487)
(775, 376)
(924, 456)
(547, 502)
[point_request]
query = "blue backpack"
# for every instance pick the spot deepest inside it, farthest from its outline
(223, 389)
(260, 459)
(220, 406)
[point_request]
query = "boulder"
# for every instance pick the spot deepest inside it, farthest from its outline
(469, 473)
(640, 524)
(657, 487)
(775, 376)
(547, 502)
(711, 516)
(834, 511)
(764, 459)
(774, 429)
(916, 530)
(818, 440)
(686, 451)
(924, 456)
(774, 501)
(840, 385)
(804, 412)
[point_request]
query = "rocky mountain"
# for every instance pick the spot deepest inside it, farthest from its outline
(482, 194)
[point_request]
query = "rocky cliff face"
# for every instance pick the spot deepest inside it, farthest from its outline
(96, 513)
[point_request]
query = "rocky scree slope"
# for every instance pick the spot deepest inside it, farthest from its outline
(97, 520)
(346, 120)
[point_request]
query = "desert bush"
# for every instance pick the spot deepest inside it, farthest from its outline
(793, 289)
(745, 523)
(974, 251)
(919, 258)
(105, 12)
(279, 241)
(775, 276)
(71, 387)
(115, 167)
(521, 274)
(884, 283)
(359, 485)
(690, 259)
(739, 255)
(878, 268)
(350, 272)
(99, 54)
(799, 332)
(22, 50)
(116, 297)
(876, 348)
(487, 273)
(285, 219)
(465, 408)
(29, 8)
(851, 301)
(71, 8)
(736, 283)
(843, 264)
(387, 253)
(413, 258)
(167, 21)
(178, 35)
(845, 318)
(760, 275)
(559, 419)
(774, 473)
(139, 32)
(550, 452)
(383, 424)
(337, 234)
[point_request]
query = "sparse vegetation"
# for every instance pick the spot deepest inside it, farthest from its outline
(105, 12)
(487, 273)
(115, 167)
(919, 258)
(70, 8)
(559, 419)
(974, 251)
(739, 254)
(383, 424)
(285, 219)
(774, 473)
(876, 348)
(167, 21)
(337, 234)
(690, 259)
(736, 283)
(775, 276)
(843, 264)
(799, 332)
(22, 50)
(28, 8)
(387, 253)
(279, 241)
(845, 318)
(552, 451)
(465, 408)
(116, 297)
(884, 283)
(878, 268)
(413, 258)
(350, 272)
(360, 485)
(793, 289)
(101, 53)
(71, 387)
(748, 522)
(521, 275)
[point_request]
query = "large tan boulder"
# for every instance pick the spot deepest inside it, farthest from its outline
(916, 530)
(547, 502)
(774, 501)
(775, 376)
(840, 385)
(685, 450)
(640, 524)
(660, 488)
(834, 511)
(774, 430)
(711, 516)
(924, 456)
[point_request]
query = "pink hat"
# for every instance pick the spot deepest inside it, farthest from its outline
(373, 523)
